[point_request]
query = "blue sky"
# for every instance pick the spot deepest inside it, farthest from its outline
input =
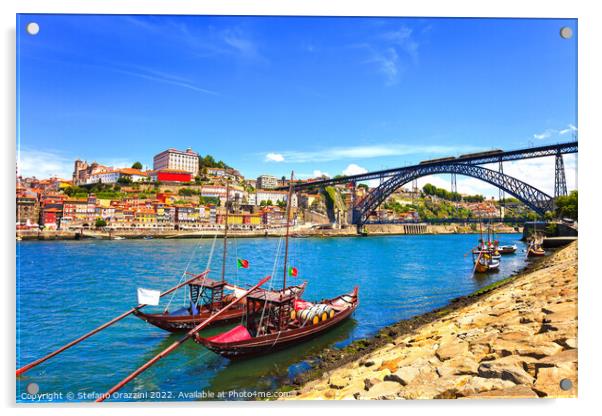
(273, 94)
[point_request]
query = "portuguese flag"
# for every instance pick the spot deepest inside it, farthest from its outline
(242, 263)
(292, 271)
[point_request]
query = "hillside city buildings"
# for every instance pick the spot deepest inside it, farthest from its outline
(177, 195)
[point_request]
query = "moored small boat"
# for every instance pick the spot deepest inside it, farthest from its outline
(507, 249)
(206, 297)
(485, 263)
(277, 322)
(535, 250)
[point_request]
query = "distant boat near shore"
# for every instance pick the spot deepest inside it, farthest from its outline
(118, 237)
(507, 249)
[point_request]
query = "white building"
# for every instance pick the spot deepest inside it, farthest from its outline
(267, 182)
(274, 197)
(112, 176)
(176, 159)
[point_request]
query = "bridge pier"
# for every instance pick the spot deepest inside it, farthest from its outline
(559, 177)
(502, 194)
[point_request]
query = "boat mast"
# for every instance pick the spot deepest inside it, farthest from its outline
(225, 251)
(288, 219)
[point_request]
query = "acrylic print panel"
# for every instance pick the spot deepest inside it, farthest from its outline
(424, 245)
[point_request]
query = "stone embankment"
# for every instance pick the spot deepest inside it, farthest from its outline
(350, 231)
(518, 341)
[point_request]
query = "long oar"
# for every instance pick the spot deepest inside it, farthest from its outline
(477, 262)
(103, 326)
(176, 344)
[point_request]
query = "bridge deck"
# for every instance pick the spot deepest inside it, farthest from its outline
(511, 155)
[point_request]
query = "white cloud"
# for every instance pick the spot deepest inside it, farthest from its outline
(548, 133)
(274, 157)
(318, 173)
(403, 39)
(369, 151)
(43, 164)
(569, 129)
(540, 172)
(354, 169)
(388, 64)
(544, 135)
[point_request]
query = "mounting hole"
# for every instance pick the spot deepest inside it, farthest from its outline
(566, 32)
(566, 384)
(33, 388)
(32, 28)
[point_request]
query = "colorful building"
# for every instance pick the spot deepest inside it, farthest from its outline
(170, 175)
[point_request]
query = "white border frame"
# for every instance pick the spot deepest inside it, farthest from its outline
(590, 70)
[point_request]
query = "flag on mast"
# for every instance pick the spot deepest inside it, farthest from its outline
(148, 296)
(292, 271)
(242, 263)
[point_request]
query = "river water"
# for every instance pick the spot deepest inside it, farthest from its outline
(66, 288)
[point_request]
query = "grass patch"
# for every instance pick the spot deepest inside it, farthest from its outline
(492, 286)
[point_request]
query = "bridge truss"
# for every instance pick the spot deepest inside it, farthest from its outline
(535, 199)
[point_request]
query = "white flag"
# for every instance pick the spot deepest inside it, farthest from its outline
(148, 296)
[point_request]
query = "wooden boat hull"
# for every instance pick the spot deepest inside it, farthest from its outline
(485, 267)
(507, 249)
(535, 253)
(183, 323)
(277, 341)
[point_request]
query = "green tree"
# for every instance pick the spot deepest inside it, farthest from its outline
(566, 206)
(137, 165)
(100, 223)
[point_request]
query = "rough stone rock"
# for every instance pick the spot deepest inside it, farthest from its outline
(566, 356)
(474, 385)
(372, 362)
(390, 365)
(338, 381)
(506, 371)
(548, 382)
(452, 349)
(460, 365)
(571, 342)
(403, 375)
(518, 341)
(515, 392)
(369, 382)
(382, 391)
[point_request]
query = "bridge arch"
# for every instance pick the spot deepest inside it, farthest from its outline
(535, 199)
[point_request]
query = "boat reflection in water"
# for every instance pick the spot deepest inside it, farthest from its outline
(267, 372)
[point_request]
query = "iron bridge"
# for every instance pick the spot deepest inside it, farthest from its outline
(467, 165)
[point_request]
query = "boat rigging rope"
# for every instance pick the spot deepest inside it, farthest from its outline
(207, 267)
(183, 276)
(236, 259)
(171, 298)
(271, 281)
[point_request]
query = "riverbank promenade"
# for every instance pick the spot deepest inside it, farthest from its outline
(518, 341)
